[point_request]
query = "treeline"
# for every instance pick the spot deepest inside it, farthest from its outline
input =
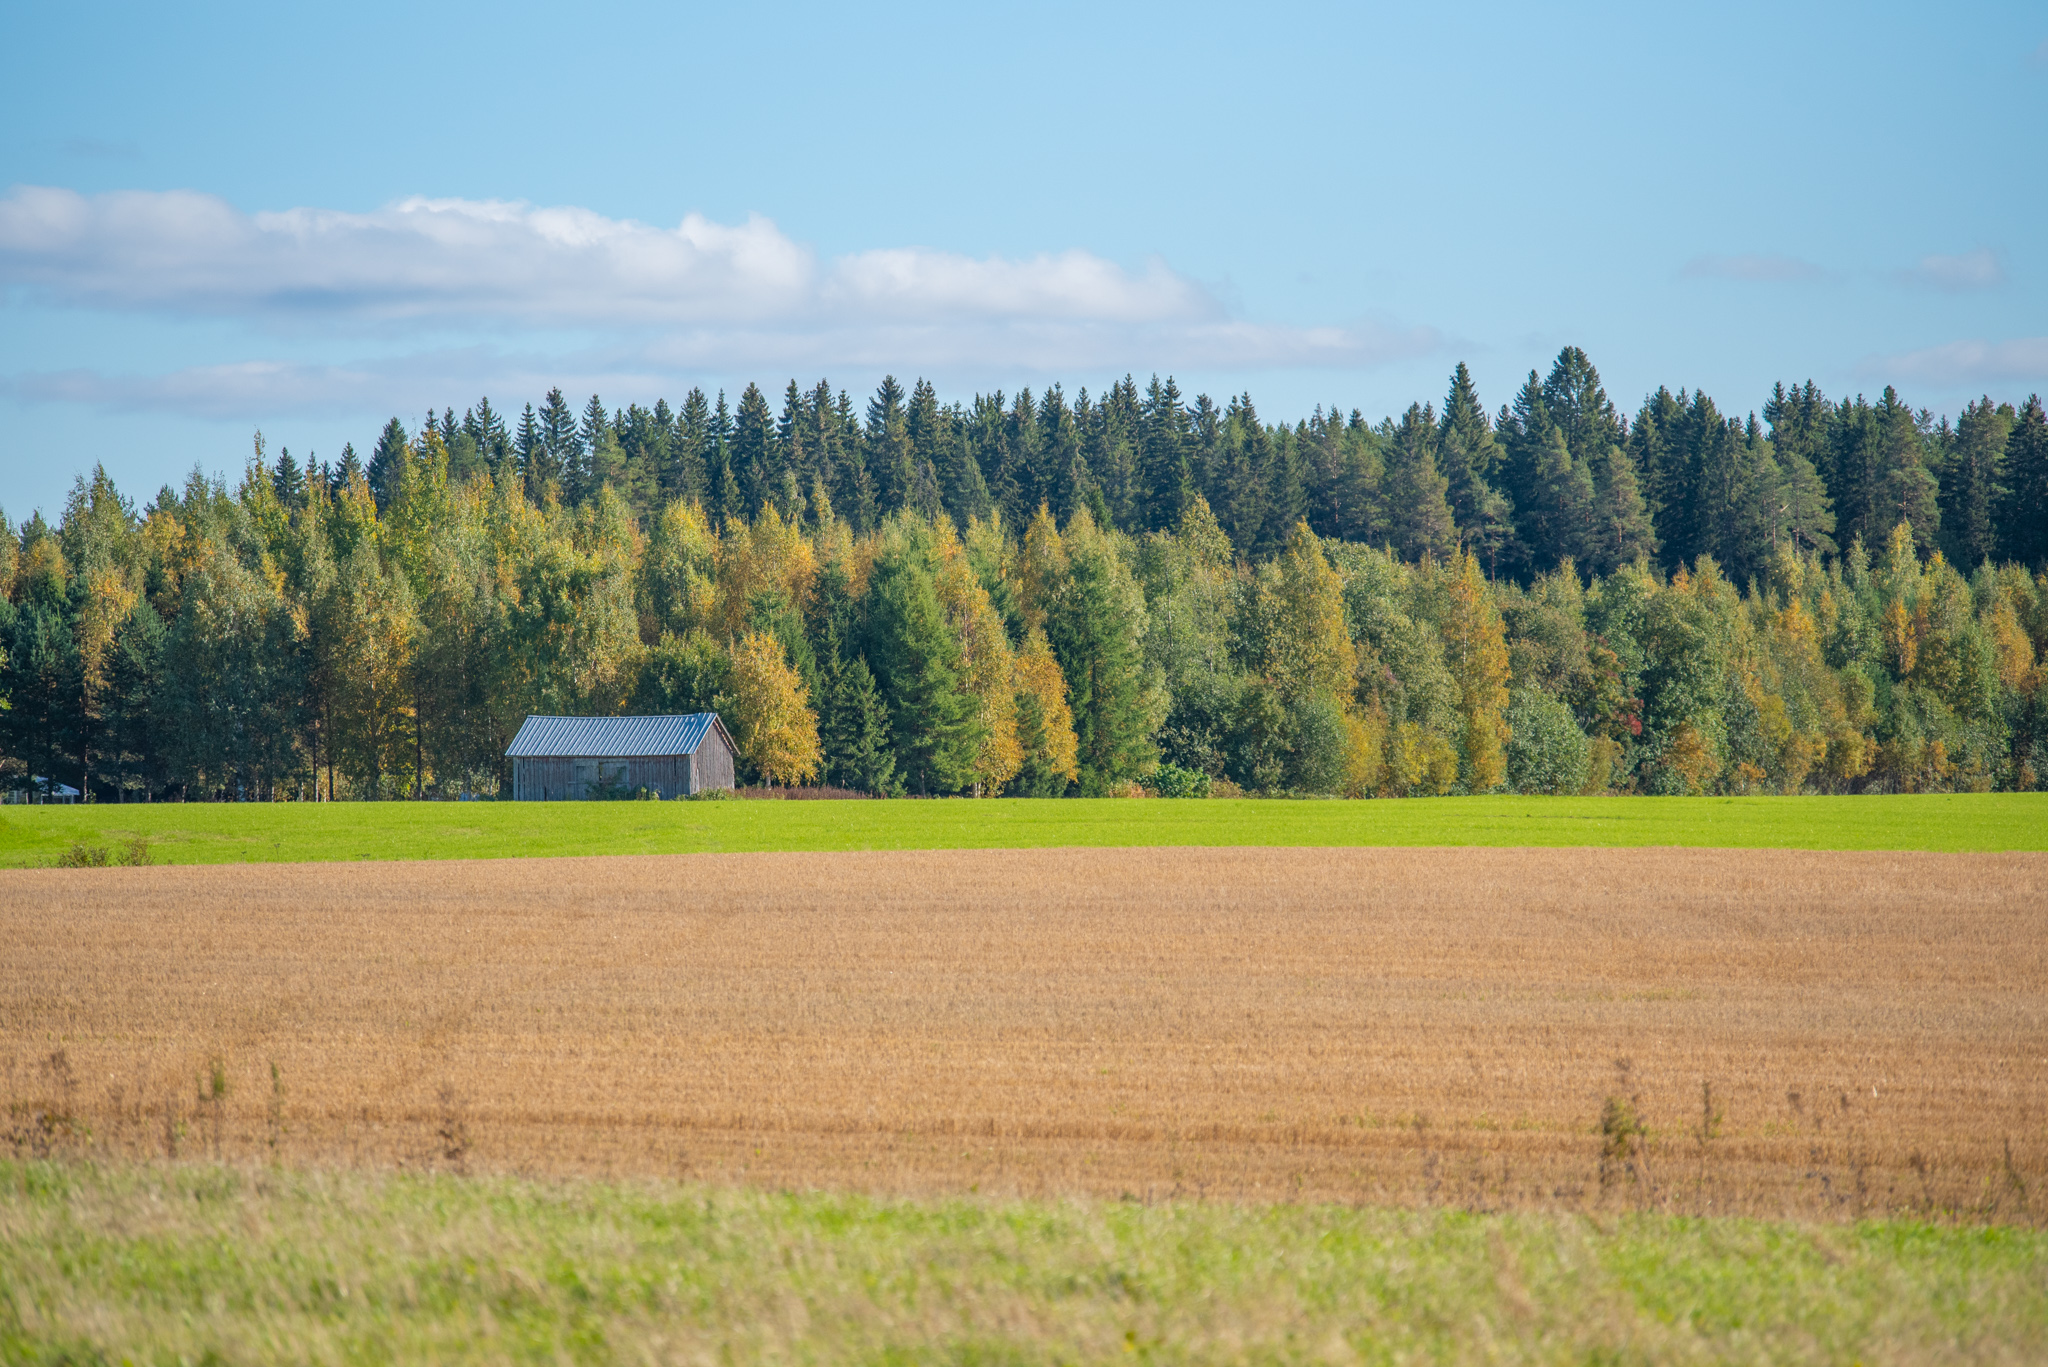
(1037, 596)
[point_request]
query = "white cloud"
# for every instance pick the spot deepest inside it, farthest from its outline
(427, 259)
(465, 260)
(670, 303)
(2020, 359)
(1974, 270)
(1755, 268)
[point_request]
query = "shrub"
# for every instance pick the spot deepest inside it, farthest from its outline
(1171, 780)
(1547, 753)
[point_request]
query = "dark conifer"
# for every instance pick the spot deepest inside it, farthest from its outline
(1419, 520)
(2023, 504)
(1970, 476)
(385, 461)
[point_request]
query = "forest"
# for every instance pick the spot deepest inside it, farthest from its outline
(1121, 594)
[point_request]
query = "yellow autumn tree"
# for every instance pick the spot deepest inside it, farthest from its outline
(678, 572)
(770, 712)
(770, 556)
(1048, 749)
(365, 633)
(1476, 652)
(1041, 566)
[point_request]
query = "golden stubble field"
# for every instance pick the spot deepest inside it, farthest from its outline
(1721, 1031)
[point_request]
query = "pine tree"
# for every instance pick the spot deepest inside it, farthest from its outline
(2023, 504)
(1622, 527)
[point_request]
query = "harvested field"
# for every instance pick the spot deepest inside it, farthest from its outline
(1495, 1028)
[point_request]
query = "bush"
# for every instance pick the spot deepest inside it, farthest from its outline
(134, 852)
(1171, 780)
(1321, 745)
(1547, 753)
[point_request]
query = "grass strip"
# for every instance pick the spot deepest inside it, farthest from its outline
(216, 833)
(218, 1264)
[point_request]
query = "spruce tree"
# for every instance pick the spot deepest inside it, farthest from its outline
(348, 471)
(493, 442)
(1908, 489)
(1970, 476)
(1419, 518)
(917, 665)
(887, 443)
(1164, 440)
(685, 476)
(385, 460)
(727, 504)
(856, 734)
(1855, 474)
(526, 451)
(1576, 403)
(1095, 620)
(560, 450)
(287, 481)
(2023, 503)
(586, 477)
(1622, 526)
(1470, 458)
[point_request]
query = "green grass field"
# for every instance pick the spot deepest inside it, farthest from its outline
(209, 833)
(206, 1264)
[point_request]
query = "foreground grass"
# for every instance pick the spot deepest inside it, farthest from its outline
(181, 1264)
(213, 833)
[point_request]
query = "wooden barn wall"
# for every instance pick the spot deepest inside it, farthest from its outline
(714, 762)
(562, 778)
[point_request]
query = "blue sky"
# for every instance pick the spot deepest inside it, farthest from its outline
(306, 221)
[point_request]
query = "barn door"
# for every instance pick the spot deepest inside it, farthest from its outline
(594, 780)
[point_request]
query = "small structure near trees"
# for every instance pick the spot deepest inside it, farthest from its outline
(591, 759)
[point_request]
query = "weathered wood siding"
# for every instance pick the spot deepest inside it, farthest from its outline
(577, 778)
(714, 762)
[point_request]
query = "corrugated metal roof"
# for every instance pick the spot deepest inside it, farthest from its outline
(610, 737)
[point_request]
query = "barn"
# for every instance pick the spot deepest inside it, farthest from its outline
(578, 759)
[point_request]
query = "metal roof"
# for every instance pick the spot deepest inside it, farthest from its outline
(613, 737)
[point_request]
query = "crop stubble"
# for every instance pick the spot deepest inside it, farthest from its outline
(1359, 1025)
